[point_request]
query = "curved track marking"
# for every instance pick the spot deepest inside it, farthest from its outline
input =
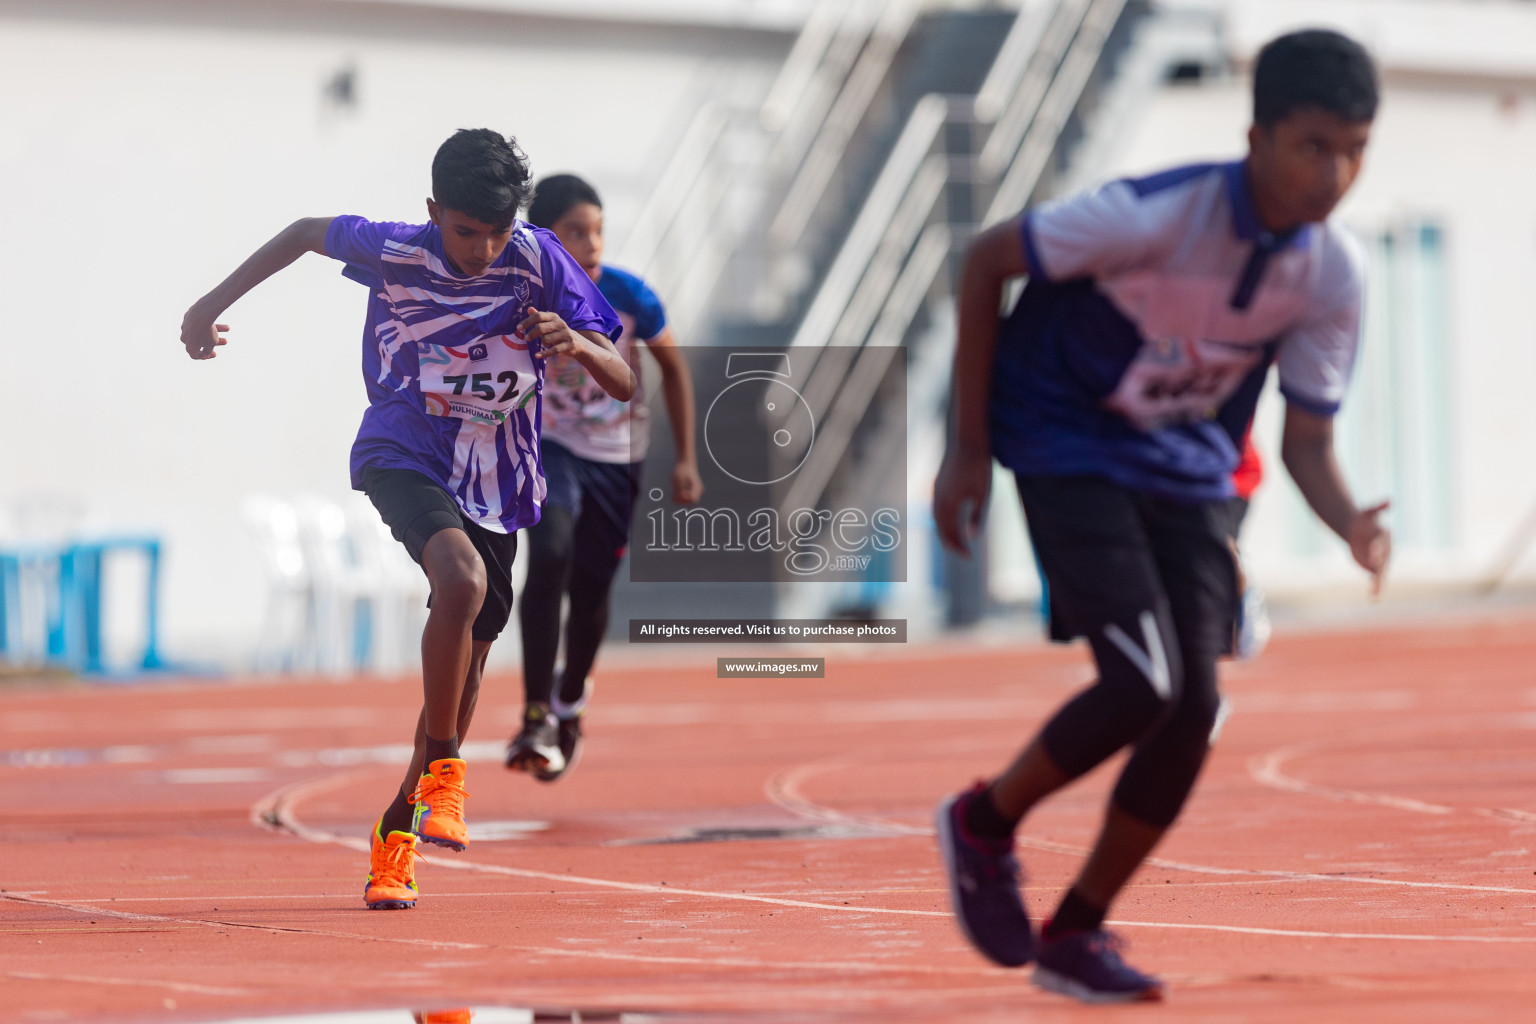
(276, 810)
(1265, 769)
(266, 812)
(783, 789)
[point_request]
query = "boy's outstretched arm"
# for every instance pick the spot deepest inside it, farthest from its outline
(677, 388)
(965, 477)
(1307, 450)
(199, 332)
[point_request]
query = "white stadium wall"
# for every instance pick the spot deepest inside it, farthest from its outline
(149, 147)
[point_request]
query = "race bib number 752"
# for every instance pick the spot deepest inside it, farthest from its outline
(482, 382)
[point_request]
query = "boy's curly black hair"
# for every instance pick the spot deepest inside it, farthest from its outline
(482, 174)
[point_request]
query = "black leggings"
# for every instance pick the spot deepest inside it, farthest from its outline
(1152, 585)
(554, 572)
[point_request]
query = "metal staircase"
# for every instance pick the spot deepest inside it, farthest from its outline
(740, 171)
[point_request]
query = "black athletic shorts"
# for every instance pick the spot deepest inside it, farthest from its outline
(415, 507)
(1109, 552)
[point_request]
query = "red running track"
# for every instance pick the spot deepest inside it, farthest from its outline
(1362, 847)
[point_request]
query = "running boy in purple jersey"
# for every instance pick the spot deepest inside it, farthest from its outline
(592, 448)
(463, 312)
(1153, 311)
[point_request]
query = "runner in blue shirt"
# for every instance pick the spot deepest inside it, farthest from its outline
(1153, 311)
(593, 448)
(463, 313)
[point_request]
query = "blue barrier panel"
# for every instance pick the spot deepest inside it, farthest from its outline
(80, 585)
(69, 581)
(10, 604)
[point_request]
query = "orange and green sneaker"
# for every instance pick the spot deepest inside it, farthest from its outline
(439, 800)
(391, 881)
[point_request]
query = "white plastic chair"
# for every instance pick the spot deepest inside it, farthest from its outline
(398, 590)
(343, 583)
(287, 641)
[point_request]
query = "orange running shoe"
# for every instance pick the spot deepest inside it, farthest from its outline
(439, 800)
(461, 1016)
(391, 881)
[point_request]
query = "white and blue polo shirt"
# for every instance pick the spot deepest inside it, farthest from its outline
(1154, 309)
(579, 414)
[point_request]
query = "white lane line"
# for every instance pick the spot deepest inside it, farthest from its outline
(541, 950)
(172, 986)
(1301, 934)
(206, 776)
(130, 915)
(1319, 701)
(662, 890)
(835, 965)
(732, 961)
(783, 789)
(349, 895)
(852, 965)
(126, 915)
(72, 757)
(1309, 876)
(1277, 875)
(538, 894)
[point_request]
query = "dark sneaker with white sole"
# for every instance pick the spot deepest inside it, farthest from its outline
(1086, 965)
(570, 750)
(536, 747)
(984, 886)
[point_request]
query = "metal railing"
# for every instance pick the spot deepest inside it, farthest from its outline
(690, 225)
(811, 169)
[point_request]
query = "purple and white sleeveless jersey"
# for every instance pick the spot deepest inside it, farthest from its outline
(1154, 309)
(453, 393)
